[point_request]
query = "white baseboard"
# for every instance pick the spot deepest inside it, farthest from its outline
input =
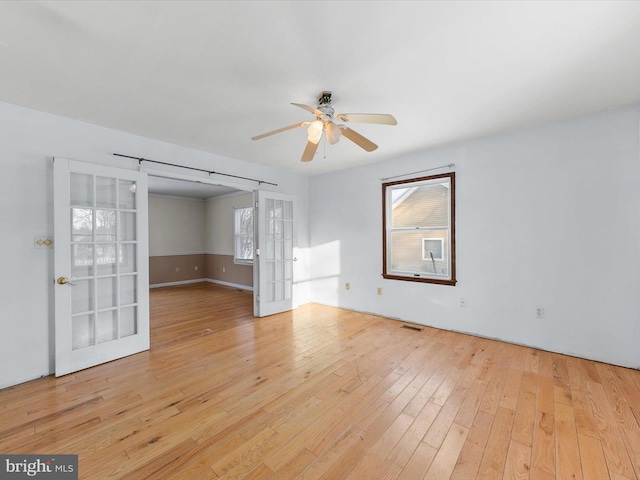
(200, 280)
(229, 284)
(172, 284)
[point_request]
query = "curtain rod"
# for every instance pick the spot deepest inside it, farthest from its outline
(140, 160)
(451, 165)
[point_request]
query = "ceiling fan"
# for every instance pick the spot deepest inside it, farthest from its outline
(325, 122)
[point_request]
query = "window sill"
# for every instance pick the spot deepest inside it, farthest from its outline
(243, 262)
(411, 278)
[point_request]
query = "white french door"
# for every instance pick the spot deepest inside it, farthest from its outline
(101, 264)
(274, 253)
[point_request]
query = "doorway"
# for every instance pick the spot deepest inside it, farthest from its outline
(191, 233)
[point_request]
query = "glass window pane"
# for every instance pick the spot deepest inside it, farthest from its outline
(269, 208)
(407, 253)
(81, 260)
(81, 189)
(243, 228)
(82, 296)
(288, 269)
(422, 206)
(278, 288)
(127, 197)
(279, 209)
(127, 258)
(107, 326)
(105, 225)
(107, 292)
(128, 289)
(81, 224)
(269, 294)
(82, 331)
(127, 230)
(106, 192)
(106, 258)
(278, 249)
(279, 271)
(270, 249)
(279, 228)
(270, 272)
(128, 321)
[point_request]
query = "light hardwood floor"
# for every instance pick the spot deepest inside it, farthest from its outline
(323, 393)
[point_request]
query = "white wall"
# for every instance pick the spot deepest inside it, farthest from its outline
(547, 216)
(176, 226)
(28, 141)
(220, 223)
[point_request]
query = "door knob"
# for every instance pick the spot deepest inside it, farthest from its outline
(64, 281)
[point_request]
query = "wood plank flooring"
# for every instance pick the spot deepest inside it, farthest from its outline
(322, 393)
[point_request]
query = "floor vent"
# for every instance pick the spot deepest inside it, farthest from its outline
(409, 327)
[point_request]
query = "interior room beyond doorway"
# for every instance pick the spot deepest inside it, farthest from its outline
(191, 233)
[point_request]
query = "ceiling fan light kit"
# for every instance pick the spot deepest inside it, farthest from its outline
(315, 131)
(325, 122)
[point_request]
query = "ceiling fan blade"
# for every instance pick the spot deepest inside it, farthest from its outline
(280, 130)
(309, 109)
(382, 118)
(309, 152)
(358, 139)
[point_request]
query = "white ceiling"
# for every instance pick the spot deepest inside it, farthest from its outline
(212, 74)
(183, 188)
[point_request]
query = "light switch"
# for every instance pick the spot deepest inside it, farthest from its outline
(42, 241)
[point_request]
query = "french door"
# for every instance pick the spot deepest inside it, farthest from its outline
(101, 264)
(274, 220)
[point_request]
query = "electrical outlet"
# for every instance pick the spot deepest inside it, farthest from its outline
(196, 268)
(379, 290)
(224, 269)
(177, 269)
(539, 312)
(347, 286)
(462, 302)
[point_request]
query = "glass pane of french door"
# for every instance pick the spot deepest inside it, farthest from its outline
(103, 252)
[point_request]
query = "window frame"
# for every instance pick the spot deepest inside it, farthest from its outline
(236, 259)
(387, 230)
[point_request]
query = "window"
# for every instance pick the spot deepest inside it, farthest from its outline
(243, 232)
(433, 249)
(419, 229)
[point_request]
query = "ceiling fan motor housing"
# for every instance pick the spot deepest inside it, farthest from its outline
(324, 104)
(325, 97)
